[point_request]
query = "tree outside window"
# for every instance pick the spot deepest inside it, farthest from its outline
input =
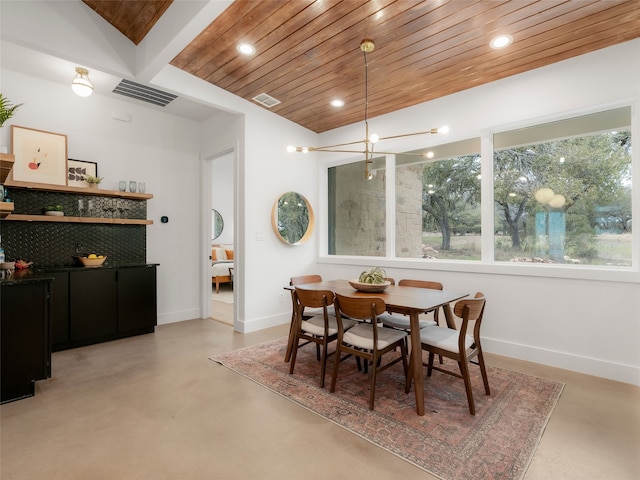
(565, 200)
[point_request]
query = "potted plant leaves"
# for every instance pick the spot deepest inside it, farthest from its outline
(54, 210)
(7, 110)
(93, 181)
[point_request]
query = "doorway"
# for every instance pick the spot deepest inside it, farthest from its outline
(220, 238)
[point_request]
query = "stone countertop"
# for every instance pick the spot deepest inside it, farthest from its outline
(28, 275)
(105, 266)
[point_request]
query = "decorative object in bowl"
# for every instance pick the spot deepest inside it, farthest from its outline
(92, 262)
(369, 287)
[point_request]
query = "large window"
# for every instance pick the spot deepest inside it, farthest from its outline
(357, 216)
(561, 195)
(562, 191)
(438, 202)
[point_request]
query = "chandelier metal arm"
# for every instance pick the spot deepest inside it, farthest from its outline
(367, 46)
(312, 149)
(432, 131)
(336, 145)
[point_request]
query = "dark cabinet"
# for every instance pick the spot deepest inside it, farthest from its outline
(137, 306)
(93, 305)
(59, 309)
(25, 329)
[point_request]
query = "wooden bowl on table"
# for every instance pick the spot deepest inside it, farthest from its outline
(92, 262)
(369, 287)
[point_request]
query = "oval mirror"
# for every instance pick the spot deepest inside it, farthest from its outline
(292, 218)
(217, 224)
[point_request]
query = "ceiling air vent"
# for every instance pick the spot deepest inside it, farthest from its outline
(266, 100)
(144, 93)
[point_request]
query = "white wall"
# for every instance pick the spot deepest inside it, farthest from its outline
(162, 150)
(588, 321)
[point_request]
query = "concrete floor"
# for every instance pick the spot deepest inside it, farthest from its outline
(155, 407)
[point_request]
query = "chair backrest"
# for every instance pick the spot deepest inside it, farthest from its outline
(314, 298)
(470, 309)
(360, 307)
(302, 279)
(476, 306)
(406, 282)
(391, 281)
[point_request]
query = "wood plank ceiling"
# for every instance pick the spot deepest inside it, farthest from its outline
(308, 51)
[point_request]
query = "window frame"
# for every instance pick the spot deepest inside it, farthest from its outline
(487, 264)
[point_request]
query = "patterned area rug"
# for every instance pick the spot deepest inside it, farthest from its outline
(497, 443)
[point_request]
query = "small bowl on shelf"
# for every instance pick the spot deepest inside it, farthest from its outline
(92, 262)
(369, 287)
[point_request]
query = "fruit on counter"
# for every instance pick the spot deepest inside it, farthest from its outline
(376, 275)
(93, 256)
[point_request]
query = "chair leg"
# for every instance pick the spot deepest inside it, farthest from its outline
(336, 364)
(409, 378)
(318, 351)
(374, 371)
(464, 370)
(430, 364)
(483, 371)
(294, 353)
(323, 365)
(404, 353)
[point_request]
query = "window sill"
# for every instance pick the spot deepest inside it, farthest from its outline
(603, 274)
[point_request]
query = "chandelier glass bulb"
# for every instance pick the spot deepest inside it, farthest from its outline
(373, 138)
(81, 85)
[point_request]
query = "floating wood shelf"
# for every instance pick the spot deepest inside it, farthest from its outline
(64, 219)
(6, 164)
(78, 190)
(5, 209)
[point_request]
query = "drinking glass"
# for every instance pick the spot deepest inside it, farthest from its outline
(122, 186)
(141, 187)
(132, 187)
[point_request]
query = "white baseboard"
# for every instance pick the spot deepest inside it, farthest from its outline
(588, 365)
(261, 323)
(173, 317)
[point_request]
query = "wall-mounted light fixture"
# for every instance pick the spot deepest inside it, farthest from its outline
(81, 84)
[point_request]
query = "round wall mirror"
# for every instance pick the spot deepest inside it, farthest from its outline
(217, 224)
(292, 218)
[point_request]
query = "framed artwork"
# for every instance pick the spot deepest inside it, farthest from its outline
(40, 157)
(78, 170)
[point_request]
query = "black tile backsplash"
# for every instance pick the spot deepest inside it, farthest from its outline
(32, 202)
(52, 243)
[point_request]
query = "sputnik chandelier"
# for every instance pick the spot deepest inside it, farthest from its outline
(369, 141)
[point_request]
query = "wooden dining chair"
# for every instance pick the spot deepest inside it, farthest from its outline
(319, 329)
(366, 340)
(301, 280)
(458, 345)
(293, 281)
(401, 322)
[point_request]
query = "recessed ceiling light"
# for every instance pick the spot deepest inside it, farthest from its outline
(501, 41)
(246, 49)
(337, 103)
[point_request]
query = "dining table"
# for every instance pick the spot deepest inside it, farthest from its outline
(410, 301)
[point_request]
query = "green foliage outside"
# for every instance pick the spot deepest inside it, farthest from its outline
(592, 173)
